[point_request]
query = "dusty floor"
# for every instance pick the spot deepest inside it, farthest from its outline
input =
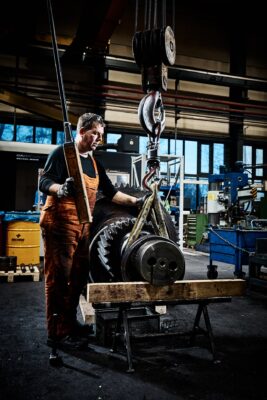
(165, 369)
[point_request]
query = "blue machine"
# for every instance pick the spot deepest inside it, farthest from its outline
(232, 237)
(230, 183)
(232, 246)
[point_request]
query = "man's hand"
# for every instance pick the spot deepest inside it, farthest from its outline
(67, 189)
(141, 200)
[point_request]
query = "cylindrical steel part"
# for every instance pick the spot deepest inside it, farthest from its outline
(159, 262)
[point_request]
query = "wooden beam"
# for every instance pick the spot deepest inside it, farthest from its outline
(34, 106)
(181, 290)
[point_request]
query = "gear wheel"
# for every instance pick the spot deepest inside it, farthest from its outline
(106, 250)
(109, 231)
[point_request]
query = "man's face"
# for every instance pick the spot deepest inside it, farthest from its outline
(93, 137)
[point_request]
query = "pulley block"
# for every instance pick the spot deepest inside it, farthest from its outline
(154, 46)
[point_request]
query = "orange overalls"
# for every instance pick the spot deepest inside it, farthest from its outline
(66, 264)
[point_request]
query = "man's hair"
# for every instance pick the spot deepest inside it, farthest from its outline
(87, 121)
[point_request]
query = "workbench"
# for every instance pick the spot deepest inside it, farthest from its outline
(126, 295)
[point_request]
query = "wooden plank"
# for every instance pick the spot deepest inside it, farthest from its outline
(180, 290)
(87, 310)
(75, 171)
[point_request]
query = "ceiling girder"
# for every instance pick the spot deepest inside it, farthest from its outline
(31, 105)
(193, 75)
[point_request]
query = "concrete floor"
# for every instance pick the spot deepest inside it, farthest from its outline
(165, 369)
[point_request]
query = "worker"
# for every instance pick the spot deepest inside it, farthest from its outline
(66, 241)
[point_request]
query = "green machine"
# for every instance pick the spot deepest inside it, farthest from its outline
(197, 224)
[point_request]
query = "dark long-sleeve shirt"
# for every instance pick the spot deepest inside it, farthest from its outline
(55, 171)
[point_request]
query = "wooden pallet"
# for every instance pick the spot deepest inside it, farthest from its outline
(22, 272)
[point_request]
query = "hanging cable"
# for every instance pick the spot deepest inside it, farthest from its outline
(136, 15)
(155, 24)
(173, 15)
(163, 13)
(149, 14)
(145, 14)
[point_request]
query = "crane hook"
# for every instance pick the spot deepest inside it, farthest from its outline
(151, 112)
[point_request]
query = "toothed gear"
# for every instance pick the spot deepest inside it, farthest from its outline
(109, 246)
(112, 224)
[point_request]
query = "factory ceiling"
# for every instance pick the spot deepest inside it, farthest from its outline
(83, 31)
(79, 25)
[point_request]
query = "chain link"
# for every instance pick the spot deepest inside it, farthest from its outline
(230, 244)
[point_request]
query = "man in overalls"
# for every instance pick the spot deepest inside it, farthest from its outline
(66, 241)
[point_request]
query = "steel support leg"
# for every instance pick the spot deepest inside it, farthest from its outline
(127, 340)
(123, 320)
(202, 308)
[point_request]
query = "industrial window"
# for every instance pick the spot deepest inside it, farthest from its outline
(163, 149)
(203, 193)
(247, 155)
(253, 156)
(142, 145)
(205, 159)
(60, 137)
(190, 194)
(176, 147)
(190, 157)
(163, 146)
(259, 160)
(24, 133)
(112, 138)
(43, 135)
(6, 132)
(247, 158)
(218, 157)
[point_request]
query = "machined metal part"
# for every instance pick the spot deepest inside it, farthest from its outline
(112, 226)
(107, 246)
(154, 259)
(168, 46)
(155, 77)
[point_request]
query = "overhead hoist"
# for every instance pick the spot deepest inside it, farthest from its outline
(154, 50)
